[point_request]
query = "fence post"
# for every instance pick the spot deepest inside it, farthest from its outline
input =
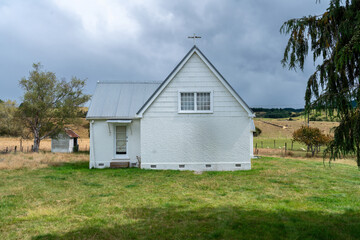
(292, 144)
(7, 149)
(262, 144)
(256, 148)
(285, 148)
(15, 149)
(274, 143)
(21, 145)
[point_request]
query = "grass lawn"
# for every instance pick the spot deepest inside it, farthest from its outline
(277, 199)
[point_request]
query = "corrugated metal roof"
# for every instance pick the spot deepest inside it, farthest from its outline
(114, 100)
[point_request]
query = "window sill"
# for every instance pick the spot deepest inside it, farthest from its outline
(118, 157)
(187, 112)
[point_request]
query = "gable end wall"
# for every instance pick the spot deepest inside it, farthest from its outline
(220, 139)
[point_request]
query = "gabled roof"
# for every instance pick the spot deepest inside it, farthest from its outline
(71, 133)
(171, 76)
(119, 100)
(127, 100)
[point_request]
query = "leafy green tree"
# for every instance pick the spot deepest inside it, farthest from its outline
(313, 138)
(334, 40)
(48, 103)
(9, 124)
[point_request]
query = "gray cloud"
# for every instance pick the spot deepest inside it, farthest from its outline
(143, 40)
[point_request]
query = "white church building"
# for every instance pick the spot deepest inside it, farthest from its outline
(193, 120)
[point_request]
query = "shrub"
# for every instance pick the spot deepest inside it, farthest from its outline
(311, 137)
(257, 132)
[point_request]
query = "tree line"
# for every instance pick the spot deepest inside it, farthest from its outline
(277, 112)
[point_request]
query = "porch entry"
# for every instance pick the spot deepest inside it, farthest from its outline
(121, 140)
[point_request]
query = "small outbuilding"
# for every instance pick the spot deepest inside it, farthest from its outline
(65, 142)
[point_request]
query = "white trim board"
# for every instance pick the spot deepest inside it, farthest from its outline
(198, 166)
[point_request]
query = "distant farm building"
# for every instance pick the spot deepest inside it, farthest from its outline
(65, 142)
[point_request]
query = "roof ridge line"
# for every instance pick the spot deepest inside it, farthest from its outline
(115, 82)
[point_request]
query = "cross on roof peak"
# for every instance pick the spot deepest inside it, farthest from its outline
(194, 37)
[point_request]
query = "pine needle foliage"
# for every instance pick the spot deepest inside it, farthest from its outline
(333, 38)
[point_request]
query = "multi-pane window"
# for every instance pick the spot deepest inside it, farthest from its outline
(121, 140)
(187, 101)
(203, 101)
(195, 102)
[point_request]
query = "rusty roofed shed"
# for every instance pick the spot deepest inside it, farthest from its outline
(65, 142)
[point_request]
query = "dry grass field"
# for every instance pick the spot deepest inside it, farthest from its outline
(273, 132)
(45, 145)
(280, 131)
(38, 160)
(81, 128)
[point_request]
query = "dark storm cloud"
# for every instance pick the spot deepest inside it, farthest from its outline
(144, 40)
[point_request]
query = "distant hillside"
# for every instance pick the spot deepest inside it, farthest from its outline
(277, 112)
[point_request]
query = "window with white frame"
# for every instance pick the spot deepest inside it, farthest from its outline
(203, 101)
(195, 102)
(121, 140)
(187, 101)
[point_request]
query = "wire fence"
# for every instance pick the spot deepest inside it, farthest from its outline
(11, 145)
(284, 147)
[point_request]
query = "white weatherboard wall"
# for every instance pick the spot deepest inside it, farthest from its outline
(220, 139)
(102, 143)
(62, 143)
(252, 144)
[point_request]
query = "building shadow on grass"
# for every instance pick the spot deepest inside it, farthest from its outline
(76, 165)
(177, 222)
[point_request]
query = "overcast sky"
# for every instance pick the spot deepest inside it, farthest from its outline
(114, 40)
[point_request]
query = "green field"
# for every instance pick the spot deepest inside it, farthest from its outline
(277, 199)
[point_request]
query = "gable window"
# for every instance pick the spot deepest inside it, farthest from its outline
(121, 140)
(187, 101)
(203, 101)
(195, 102)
